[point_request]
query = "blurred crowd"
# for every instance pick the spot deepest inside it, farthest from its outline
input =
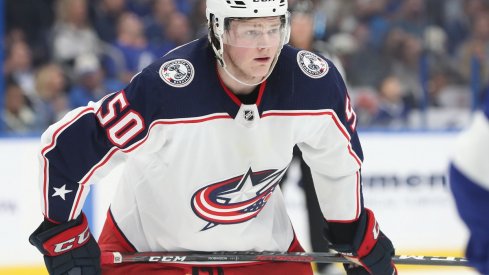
(400, 58)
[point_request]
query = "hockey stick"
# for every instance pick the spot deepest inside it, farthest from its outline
(232, 256)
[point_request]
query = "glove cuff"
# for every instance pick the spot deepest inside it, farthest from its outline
(371, 235)
(61, 238)
(364, 239)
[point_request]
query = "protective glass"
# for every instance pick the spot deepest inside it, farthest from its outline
(262, 32)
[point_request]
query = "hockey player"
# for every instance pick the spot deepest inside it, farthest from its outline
(469, 182)
(206, 133)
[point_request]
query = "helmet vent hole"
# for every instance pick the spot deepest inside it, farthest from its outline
(274, 10)
(241, 3)
(256, 11)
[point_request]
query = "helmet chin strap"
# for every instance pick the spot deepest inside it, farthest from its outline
(241, 82)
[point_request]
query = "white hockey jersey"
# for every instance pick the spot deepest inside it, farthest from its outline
(201, 168)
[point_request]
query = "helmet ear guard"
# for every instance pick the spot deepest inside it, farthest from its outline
(215, 40)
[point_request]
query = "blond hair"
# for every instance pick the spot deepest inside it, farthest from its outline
(44, 80)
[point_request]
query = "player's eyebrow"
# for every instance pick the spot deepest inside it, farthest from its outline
(262, 25)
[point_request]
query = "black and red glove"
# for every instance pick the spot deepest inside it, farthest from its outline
(68, 248)
(370, 251)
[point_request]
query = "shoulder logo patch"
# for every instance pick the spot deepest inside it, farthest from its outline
(312, 65)
(177, 73)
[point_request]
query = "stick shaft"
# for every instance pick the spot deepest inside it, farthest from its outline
(179, 257)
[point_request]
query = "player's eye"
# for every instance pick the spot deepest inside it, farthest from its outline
(274, 31)
(252, 33)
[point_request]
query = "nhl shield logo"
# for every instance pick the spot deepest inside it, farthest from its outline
(249, 115)
(312, 65)
(177, 73)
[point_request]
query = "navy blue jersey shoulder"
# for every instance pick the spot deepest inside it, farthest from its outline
(181, 84)
(304, 81)
(296, 88)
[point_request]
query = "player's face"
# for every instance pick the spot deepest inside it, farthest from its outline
(251, 45)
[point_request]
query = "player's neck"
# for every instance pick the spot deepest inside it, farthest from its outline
(233, 85)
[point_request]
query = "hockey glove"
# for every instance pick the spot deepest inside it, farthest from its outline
(68, 248)
(370, 252)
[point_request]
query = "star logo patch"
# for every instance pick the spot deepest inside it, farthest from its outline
(61, 192)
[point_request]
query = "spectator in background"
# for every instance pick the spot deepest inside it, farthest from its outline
(392, 107)
(157, 22)
(436, 85)
(34, 20)
(371, 14)
(476, 49)
(405, 58)
(198, 21)
(90, 84)
(105, 16)
(366, 104)
(366, 32)
(141, 8)
(339, 15)
(302, 25)
(72, 34)
(412, 17)
(186, 6)
(178, 30)
(365, 66)
(51, 103)
(18, 65)
(144, 8)
(17, 116)
(460, 16)
(133, 46)
(435, 11)
(437, 53)
(443, 86)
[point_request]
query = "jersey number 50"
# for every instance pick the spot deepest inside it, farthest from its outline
(125, 128)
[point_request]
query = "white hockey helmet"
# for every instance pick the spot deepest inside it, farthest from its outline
(220, 12)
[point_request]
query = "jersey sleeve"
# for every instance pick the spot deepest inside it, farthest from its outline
(87, 143)
(334, 154)
(469, 183)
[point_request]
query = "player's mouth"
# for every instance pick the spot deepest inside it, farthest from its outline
(262, 59)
